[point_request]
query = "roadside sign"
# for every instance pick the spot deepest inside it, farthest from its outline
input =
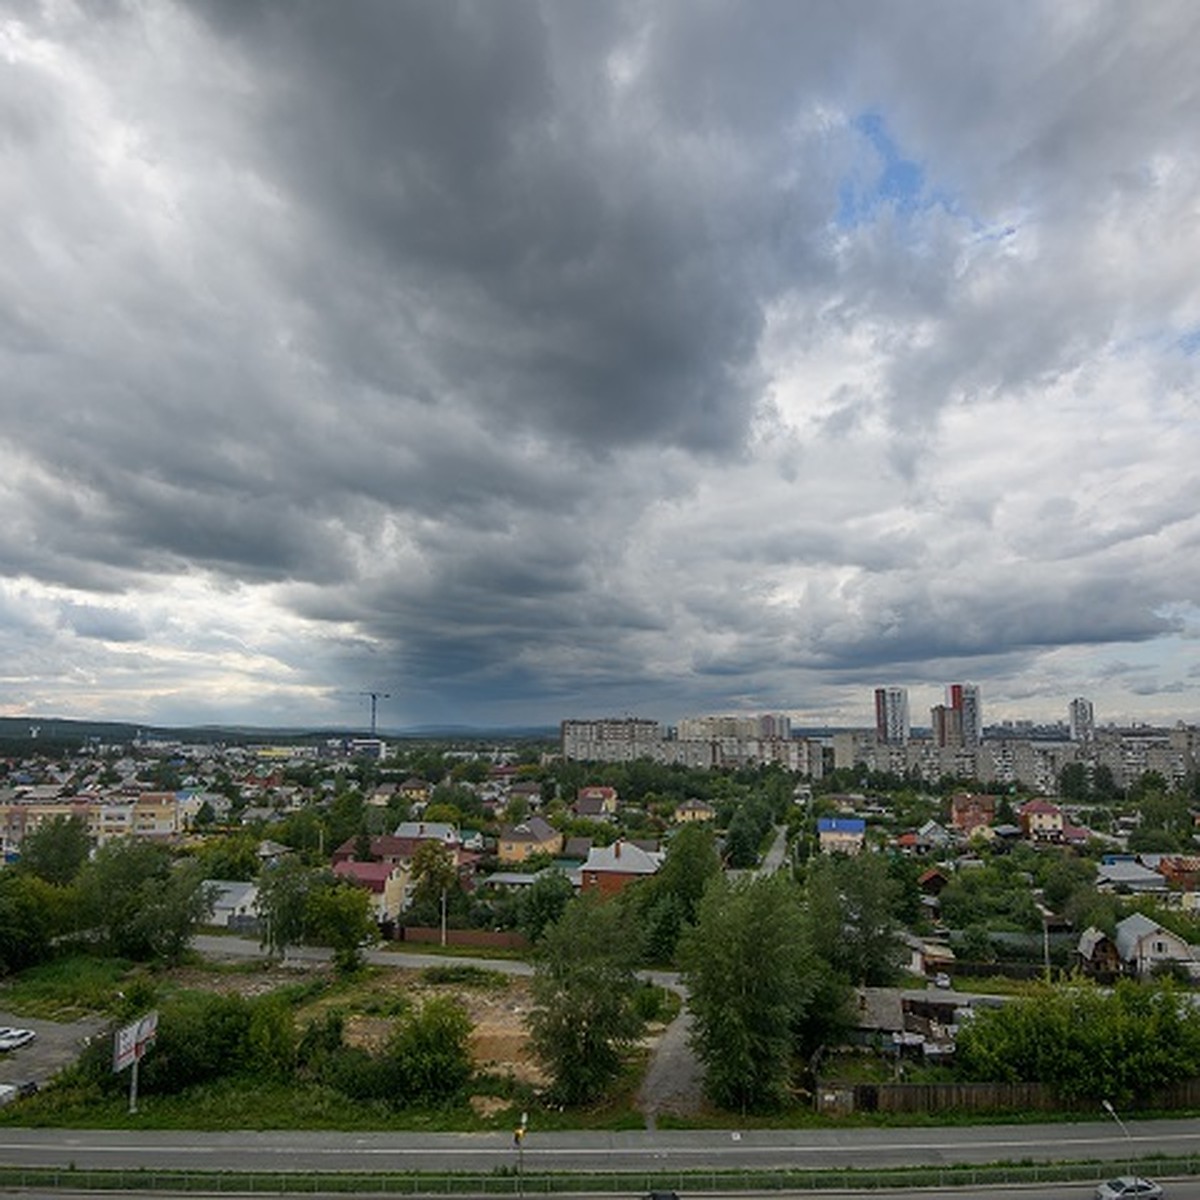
(132, 1041)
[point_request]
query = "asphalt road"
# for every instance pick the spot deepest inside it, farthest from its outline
(58, 1043)
(287, 1151)
(232, 947)
(1184, 1189)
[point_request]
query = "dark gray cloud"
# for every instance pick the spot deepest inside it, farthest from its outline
(535, 359)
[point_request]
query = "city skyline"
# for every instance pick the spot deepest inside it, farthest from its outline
(525, 360)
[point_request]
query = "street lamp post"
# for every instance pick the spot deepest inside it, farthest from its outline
(1112, 1112)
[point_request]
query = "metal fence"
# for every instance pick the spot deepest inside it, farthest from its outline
(510, 1183)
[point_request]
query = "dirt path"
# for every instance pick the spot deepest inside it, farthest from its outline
(674, 1081)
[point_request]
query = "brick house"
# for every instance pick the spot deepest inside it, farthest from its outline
(610, 869)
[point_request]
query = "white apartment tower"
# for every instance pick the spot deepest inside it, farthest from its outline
(1082, 719)
(891, 715)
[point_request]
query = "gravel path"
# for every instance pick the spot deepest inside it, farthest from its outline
(674, 1081)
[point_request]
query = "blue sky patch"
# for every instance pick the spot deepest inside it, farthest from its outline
(900, 185)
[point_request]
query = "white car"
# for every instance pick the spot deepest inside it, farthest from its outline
(1128, 1187)
(13, 1039)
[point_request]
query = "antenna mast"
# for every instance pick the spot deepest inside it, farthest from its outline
(375, 698)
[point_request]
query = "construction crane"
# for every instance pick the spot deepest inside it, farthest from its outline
(375, 698)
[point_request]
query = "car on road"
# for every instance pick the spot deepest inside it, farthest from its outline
(1129, 1187)
(13, 1039)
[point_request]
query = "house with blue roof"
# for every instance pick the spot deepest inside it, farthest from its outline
(841, 835)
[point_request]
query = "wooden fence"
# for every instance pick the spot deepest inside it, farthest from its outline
(837, 1099)
(504, 939)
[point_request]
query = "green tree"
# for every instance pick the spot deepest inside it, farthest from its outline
(32, 913)
(583, 1021)
(138, 903)
(271, 1038)
(1119, 1045)
(1063, 878)
(1073, 782)
(853, 904)
(1166, 819)
(338, 914)
(543, 903)
(751, 975)
(433, 870)
(691, 861)
(229, 856)
(432, 1050)
(56, 850)
(283, 892)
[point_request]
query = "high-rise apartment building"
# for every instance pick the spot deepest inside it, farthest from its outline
(614, 739)
(891, 715)
(963, 698)
(1082, 719)
(946, 723)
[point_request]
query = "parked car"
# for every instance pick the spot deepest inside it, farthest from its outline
(941, 980)
(1129, 1187)
(12, 1039)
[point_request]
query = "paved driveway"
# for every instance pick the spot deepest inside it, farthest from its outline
(58, 1044)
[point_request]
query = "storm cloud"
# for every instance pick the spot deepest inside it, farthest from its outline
(533, 360)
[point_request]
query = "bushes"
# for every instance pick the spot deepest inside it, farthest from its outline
(203, 1038)
(425, 1063)
(1116, 1045)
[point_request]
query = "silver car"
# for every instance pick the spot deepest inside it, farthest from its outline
(1129, 1187)
(11, 1039)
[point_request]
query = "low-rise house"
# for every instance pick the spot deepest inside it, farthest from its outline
(1128, 875)
(415, 832)
(610, 869)
(382, 795)
(592, 808)
(1181, 871)
(1041, 821)
(416, 791)
(1097, 953)
(933, 881)
(398, 848)
(1144, 946)
(534, 836)
(841, 835)
(269, 852)
(576, 849)
(692, 811)
(971, 812)
(595, 801)
(387, 883)
(235, 904)
(527, 790)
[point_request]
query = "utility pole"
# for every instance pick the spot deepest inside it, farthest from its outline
(375, 698)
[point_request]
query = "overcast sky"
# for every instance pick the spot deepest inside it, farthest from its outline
(529, 361)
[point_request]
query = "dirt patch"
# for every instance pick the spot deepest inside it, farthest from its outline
(249, 984)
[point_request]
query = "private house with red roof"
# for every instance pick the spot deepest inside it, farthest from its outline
(1181, 871)
(970, 811)
(1041, 821)
(611, 869)
(398, 848)
(596, 803)
(386, 882)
